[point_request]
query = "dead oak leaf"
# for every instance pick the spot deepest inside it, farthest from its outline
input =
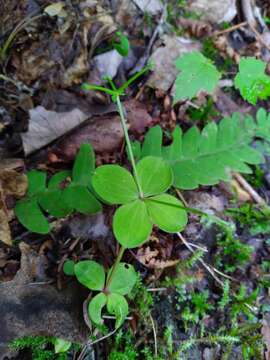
(12, 184)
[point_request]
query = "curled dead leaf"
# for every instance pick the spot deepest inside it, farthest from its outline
(12, 184)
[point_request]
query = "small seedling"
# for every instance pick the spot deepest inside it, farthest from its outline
(120, 43)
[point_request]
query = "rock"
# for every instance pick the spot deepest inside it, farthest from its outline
(215, 11)
(29, 309)
(150, 6)
(108, 63)
(163, 58)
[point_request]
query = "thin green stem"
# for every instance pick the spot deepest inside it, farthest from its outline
(129, 148)
(117, 261)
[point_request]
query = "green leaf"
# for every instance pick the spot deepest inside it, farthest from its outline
(118, 306)
(207, 157)
(61, 346)
(56, 180)
(152, 142)
(263, 125)
(90, 274)
(251, 80)
(95, 308)
(155, 175)
(197, 74)
(36, 182)
(30, 216)
(69, 267)
(121, 44)
(167, 213)
(114, 184)
(131, 225)
(81, 199)
(84, 165)
(123, 280)
(53, 202)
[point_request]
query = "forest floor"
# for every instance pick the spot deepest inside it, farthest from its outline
(204, 293)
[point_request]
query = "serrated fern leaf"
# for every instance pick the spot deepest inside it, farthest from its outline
(206, 157)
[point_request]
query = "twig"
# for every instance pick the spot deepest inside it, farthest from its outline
(89, 344)
(155, 334)
(249, 189)
(181, 197)
(230, 29)
(259, 37)
(85, 311)
(204, 249)
(207, 267)
(157, 289)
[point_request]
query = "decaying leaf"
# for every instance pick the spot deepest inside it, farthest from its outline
(12, 184)
(46, 126)
(148, 257)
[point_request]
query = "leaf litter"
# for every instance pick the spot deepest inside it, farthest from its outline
(50, 115)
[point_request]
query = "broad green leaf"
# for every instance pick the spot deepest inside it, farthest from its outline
(118, 306)
(56, 180)
(84, 165)
(152, 142)
(197, 74)
(123, 280)
(30, 216)
(207, 157)
(95, 308)
(81, 199)
(155, 175)
(90, 274)
(167, 213)
(61, 346)
(53, 202)
(131, 225)
(114, 184)
(251, 80)
(36, 182)
(69, 267)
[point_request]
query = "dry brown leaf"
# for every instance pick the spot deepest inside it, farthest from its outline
(12, 184)
(148, 257)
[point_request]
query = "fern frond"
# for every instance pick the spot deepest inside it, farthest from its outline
(206, 157)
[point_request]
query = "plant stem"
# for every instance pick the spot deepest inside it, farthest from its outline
(117, 261)
(129, 148)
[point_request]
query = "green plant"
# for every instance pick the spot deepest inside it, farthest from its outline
(44, 347)
(120, 43)
(252, 81)
(197, 74)
(249, 215)
(206, 157)
(232, 253)
(66, 192)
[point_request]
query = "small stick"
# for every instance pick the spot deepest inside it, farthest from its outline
(155, 334)
(230, 29)
(181, 197)
(249, 189)
(207, 267)
(259, 37)
(157, 289)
